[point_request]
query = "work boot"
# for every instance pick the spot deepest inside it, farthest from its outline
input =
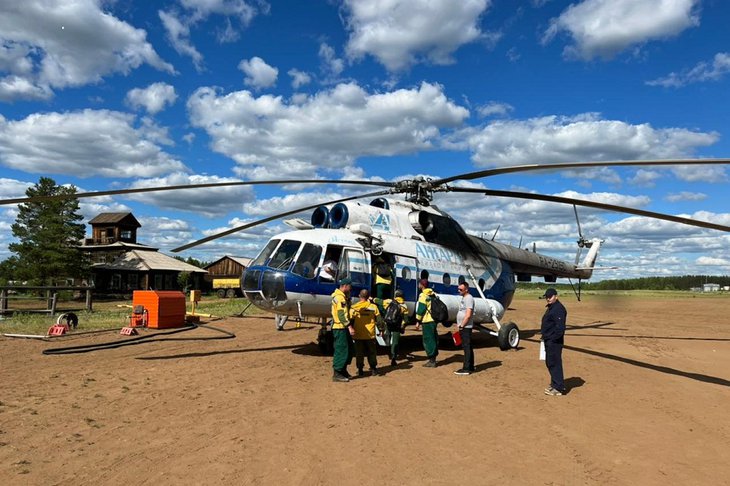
(360, 372)
(338, 377)
(374, 372)
(431, 363)
(345, 373)
(393, 362)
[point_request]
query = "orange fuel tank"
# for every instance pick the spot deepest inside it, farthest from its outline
(165, 308)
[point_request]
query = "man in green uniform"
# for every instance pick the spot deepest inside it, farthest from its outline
(342, 330)
(395, 329)
(424, 319)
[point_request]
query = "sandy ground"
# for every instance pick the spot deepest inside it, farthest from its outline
(648, 404)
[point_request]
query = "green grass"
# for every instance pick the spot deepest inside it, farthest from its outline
(111, 315)
(533, 293)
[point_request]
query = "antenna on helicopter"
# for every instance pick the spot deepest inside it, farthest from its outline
(495, 232)
(534, 247)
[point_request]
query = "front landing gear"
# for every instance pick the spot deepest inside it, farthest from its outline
(508, 336)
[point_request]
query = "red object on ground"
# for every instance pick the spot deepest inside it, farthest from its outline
(128, 331)
(457, 338)
(57, 330)
(165, 308)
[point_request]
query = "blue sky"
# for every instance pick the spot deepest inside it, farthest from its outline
(126, 93)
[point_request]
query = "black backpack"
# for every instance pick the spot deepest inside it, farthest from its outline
(439, 311)
(393, 316)
(382, 270)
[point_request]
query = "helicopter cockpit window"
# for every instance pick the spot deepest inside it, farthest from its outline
(285, 254)
(265, 253)
(308, 260)
(447, 280)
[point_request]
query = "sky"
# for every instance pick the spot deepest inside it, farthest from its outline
(123, 93)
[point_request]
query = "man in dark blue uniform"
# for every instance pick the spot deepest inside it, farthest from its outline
(553, 331)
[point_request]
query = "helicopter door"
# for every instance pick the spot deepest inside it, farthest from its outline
(354, 265)
(405, 277)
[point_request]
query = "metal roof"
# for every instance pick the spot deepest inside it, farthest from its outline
(107, 218)
(142, 261)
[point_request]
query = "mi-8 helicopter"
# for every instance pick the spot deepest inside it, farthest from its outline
(415, 238)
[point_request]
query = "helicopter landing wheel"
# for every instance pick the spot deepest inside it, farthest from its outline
(509, 336)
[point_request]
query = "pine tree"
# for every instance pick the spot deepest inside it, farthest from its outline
(49, 233)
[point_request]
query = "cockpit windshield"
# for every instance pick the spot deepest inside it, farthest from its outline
(265, 253)
(308, 260)
(285, 254)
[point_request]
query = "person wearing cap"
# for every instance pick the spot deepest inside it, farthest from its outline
(395, 329)
(342, 331)
(553, 332)
(425, 321)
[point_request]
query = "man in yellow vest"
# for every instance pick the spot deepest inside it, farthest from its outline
(424, 319)
(365, 317)
(342, 331)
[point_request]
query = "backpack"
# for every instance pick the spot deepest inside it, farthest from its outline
(393, 316)
(439, 311)
(382, 270)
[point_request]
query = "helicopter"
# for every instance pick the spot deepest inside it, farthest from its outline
(415, 238)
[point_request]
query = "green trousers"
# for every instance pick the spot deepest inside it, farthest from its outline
(343, 349)
(383, 291)
(430, 339)
(363, 347)
(394, 338)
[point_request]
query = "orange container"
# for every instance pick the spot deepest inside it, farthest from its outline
(165, 308)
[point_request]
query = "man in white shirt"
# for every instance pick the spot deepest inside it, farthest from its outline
(465, 322)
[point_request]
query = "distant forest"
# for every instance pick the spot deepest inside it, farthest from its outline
(684, 282)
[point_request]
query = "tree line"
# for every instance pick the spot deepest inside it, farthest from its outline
(682, 282)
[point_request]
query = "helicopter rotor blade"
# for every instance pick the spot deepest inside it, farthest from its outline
(581, 240)
(574, 165)
(593, 204)
(116, 192)
(272, 218)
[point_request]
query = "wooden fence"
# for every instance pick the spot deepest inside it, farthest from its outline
(8, 293)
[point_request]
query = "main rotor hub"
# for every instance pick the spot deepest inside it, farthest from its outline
(419, 190)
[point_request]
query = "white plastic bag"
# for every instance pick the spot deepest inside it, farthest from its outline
(542, 350)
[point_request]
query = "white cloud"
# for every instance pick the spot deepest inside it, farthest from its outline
(686, 196)
(603, 28)
(332, 66)
(494, 108)
(586, 137)
(702, 72)
(645, 178)
(153, 98)
(46, 47)
(258, 73)
(713, 262)
(331, 128)
(299, 78)
(178, 23)
(84, 143)
(400, 33)
(178, 34)
(214, 201)
(700, 173)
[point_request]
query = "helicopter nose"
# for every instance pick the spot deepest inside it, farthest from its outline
(272, 286)
(264, 288)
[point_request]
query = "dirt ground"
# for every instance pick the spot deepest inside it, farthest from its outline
(648, 403)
